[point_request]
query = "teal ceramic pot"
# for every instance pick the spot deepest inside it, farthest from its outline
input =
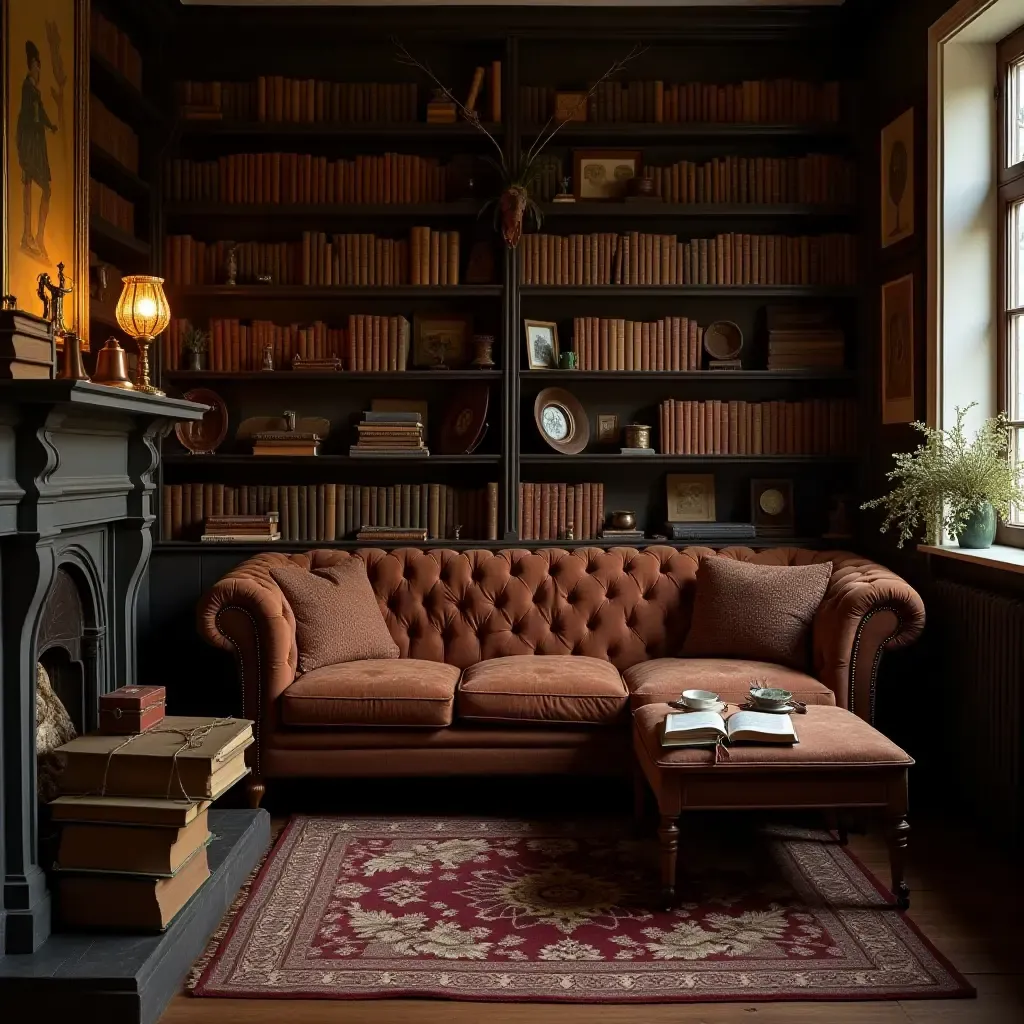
(980, 530)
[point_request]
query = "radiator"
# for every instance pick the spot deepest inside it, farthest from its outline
(983, 644)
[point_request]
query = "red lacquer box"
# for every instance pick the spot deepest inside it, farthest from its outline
(131, 709)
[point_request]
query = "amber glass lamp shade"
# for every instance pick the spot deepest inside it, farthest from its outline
(143, 313)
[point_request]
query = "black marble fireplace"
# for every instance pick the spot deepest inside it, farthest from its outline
(77, 468)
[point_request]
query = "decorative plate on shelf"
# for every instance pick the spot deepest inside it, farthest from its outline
(205, 436)
(562, 421)
(465, 421)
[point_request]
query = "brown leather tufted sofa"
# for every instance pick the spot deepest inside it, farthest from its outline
(469, 694)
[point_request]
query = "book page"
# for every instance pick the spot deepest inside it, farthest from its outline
(704, 721)
(760, 723)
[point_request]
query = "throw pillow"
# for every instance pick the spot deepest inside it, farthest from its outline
(761, 612)
(337, 617)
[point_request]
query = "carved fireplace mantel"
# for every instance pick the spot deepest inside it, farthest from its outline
(77, 467)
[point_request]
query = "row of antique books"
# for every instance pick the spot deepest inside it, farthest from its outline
(605, 343)
(547, 511)
(427, 258)
(113, 136)
(305, 178)
(368, 344)
(814, 178)
(773, 101)
(814, 426)
(637, 258)
(115, 47)
(327, 512)
(104, 202)
(133, 819)
(275, 98)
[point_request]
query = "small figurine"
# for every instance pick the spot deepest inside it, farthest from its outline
(268, 357)
(52, 296)
(565, 196)
(289, 420)
(232, 266)
(458, 532)
(570, 533)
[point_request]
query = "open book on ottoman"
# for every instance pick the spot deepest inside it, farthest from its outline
(708, 729)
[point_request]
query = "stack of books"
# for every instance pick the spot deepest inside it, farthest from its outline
(133, 817)
(804, 339)
(222, 529)
(391, 533)
(398, 434)
(285, 442)
(26, 347)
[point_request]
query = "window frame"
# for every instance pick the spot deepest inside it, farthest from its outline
(1010, 190)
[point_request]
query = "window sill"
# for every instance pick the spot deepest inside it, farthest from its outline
(999, 556)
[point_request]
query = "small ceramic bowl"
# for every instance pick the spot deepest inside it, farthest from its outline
(699, 700)
(770, 696)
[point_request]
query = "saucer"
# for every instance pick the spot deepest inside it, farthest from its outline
(776, 709)
(718, 707)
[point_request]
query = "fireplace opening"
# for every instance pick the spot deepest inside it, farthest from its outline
(60, 650)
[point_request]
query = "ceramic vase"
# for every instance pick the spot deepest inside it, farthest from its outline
(980, 529)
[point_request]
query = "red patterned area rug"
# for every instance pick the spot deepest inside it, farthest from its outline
(475, 909)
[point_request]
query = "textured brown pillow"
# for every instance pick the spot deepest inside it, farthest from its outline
(337, 617)
(761, 612)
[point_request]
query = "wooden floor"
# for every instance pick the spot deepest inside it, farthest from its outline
(966, 899)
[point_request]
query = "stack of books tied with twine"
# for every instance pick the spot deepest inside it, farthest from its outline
(396, 434)
(285, 442)
(225, 529)
(133, 817)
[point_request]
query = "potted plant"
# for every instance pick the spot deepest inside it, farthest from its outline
(193, 341)
(952, 485)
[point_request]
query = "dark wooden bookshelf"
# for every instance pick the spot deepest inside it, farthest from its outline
(325, 212)
(122, 98)
(108, 169)
(278, 377)
(311, 461)
(768, 292)
(417, 131)
(118, 246)
(290, 292)
(566, 377)
(622, 132)
(661, 461)
(654, 210)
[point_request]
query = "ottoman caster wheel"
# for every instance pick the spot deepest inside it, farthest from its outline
(903, 896)
(668, 899)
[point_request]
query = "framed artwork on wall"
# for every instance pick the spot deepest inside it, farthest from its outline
(898, 179)
(898, 350)
(45, 74)
(690, 497)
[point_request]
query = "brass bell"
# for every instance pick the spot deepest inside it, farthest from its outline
(72, 367)
(112, 366)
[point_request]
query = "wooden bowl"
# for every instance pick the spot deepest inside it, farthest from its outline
(723, 340)
(205, 436)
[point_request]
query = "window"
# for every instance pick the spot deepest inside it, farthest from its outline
(1011, 246)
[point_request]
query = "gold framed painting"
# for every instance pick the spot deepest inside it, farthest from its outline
(898, 350)
(441, 340)
(45, 75)
(898, 179)
(600, 175)
(690, 497)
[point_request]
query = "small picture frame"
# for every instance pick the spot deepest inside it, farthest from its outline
(898, 350)
(607, 428)
(690, 497)
(441, 340)
(600, 175)
(570, 106)
(771, 507)
(541, 344)
(897, 174)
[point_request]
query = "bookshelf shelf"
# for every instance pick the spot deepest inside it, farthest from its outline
(613, 459)
(279, 377)
(621, 132)
(320, 211)
(703, 211)
(290, 462)
(566, 377)
(416, 131)
(106, 168)
(290, 292)
(757, 291)
(118, 93)
(117, 245)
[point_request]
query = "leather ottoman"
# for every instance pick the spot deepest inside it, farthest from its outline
(840, 762)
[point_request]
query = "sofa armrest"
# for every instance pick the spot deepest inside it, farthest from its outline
(246, 614)
(866, 610)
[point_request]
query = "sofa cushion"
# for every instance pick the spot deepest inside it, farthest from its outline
(381, 692)
(533, 688)
(337, 618)
(664, 679)
(755, 611)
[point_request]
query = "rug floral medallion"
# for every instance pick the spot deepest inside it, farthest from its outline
(512, 910)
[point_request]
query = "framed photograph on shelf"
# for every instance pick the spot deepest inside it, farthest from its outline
(607, 428)
(771, 507)
(541, 344)
(898, 350)
(600, 175)
(690, 497)
(898, 179)
(441, 340)
(570, 106)
(45, 75)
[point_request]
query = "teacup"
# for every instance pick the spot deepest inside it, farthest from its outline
(699, 700)
(770, 696)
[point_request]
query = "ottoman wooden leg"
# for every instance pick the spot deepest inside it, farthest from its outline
(668, 835)
(639, 796)
(898, 834)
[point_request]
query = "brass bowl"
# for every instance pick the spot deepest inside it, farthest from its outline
(622, 520)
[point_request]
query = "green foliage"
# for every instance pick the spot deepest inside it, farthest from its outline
(947, 479)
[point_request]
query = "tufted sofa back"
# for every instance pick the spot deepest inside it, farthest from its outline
(461, 607)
